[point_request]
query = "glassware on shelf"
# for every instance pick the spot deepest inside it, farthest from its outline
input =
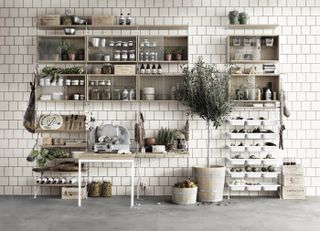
(94, 94)
(116, 94)
(117, 55)
(132, 55)
(124, 55)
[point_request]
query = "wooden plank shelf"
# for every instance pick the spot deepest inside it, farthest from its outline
(59, 185)
(116, 27)
(252, 26)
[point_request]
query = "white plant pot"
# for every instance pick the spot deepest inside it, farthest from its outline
(270, 187)
(237, 148)
(253, 187)
(253, 148)
(237, 161)
(270, 174)
(269, 136)
(269, 161)
(253, 122)
(184, 196)
(269, 122)
(237, 174)
(237, 187)
(253, 136)
(237, 136)
(236, 122)
(253, 174)
(269, 148)
(253, 161)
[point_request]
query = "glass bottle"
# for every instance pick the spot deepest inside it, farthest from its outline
(142, 69)
(148, 70)
(125, 94)
(121, 19)
(128, 19)
(154, 69)
(108, 89)
(131, 94)
(159, 69)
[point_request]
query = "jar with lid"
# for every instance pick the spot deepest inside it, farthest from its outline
(118, 44)
(124, 44)
(116, 94)
(107, 69)
(111, 44)
(146, 43)
(151, 56)
(94, 94)
(146, 56)
(130, 43)
(124, 55)
(132, 55)
(105, 92)
(117, 55)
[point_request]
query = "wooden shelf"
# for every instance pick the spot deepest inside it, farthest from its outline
(59, 185)
(254, 61)
(61, 62)
(165, 62)
(65, 146)
(120, 62)
(39, 130)
(252, 26)
(116, 27)
(257, 74)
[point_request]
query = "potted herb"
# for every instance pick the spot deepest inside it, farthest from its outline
(168, 53)
(184, 193)
(64, 48)
(71, 53)
(205, 93)
(45, 154)
(243, 18)
(166, 137)
(54, 72)
(233, 17)
(178, 53)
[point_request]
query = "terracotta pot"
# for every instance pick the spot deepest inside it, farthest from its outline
(179, 57)
(72, 56)
(168, 57)
(150, 141)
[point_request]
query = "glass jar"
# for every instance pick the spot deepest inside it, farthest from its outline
(94, 94)
(106, 189)
(124, 44)
(130, 43)
(111, 44)
(132, 55)
(124, 55)
(118, 44)
(146, 56)
(151, 56)
(117, 55)
(116, 94)
(146, 43)
(107, 69)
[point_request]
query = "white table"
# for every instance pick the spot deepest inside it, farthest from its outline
(104, 158)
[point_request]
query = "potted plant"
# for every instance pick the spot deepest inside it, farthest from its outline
(243, 18)
(168, 53)
(64, 47)
(72, 53)
(205, 93)
(54, 72)
(53, 50)
(45, 154)
(184, 193)
(166, 137)
(233, 17)
(178, 53)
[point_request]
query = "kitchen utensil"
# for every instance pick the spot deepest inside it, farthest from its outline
(78, 20)
(95, 42)
(69, 31)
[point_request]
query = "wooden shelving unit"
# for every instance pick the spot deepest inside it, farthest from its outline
(252, 26)
(116, 27)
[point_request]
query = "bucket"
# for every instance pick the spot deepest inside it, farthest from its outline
(184, 196)
(210, 182)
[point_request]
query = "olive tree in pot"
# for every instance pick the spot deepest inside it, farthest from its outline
(205, 93)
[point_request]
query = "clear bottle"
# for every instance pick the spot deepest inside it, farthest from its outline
(125, 94)
(131, 94)
(154, 69)
(148, 70)
(258, 93)
(268, 94)
(142, 69)
(159, 70)
(121, 19)
(108, 90)
(128, 19)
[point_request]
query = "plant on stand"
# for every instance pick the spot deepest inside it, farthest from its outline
(205, 93)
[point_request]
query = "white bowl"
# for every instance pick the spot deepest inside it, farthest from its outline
(253, 122)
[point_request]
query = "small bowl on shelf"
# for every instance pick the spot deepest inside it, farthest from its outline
(70, 31)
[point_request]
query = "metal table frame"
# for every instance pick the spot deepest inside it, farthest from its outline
(106, 160)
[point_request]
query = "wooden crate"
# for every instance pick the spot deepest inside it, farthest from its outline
(292, 170)
(293, 192)
(49, 20)
(101, 20)
(71, 193)
(292, 180)
(124, 69)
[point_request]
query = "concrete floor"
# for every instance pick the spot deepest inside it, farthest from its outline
(252, 214)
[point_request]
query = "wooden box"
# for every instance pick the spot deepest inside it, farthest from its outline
(293, 192)
(292, 170)
(101, 20)
(49, 20)
(71, 193)
(292, 180)
(124, 69)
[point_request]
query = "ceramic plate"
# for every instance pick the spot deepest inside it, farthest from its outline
(51, 122)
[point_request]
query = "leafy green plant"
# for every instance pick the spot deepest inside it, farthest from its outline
(186, 184)
(178, 50)
(165, 137)
(64, 47)
(205, 93)
(55, 72)
(45, 154)
(167, 50)
(233, 14)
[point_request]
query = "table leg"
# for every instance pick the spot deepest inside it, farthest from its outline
(132, 183)
(79, 183)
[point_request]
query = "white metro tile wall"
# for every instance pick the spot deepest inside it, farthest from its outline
(300, 57)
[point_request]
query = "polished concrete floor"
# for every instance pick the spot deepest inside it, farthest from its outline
(157, 213)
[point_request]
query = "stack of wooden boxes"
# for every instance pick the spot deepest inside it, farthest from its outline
(292, 182)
